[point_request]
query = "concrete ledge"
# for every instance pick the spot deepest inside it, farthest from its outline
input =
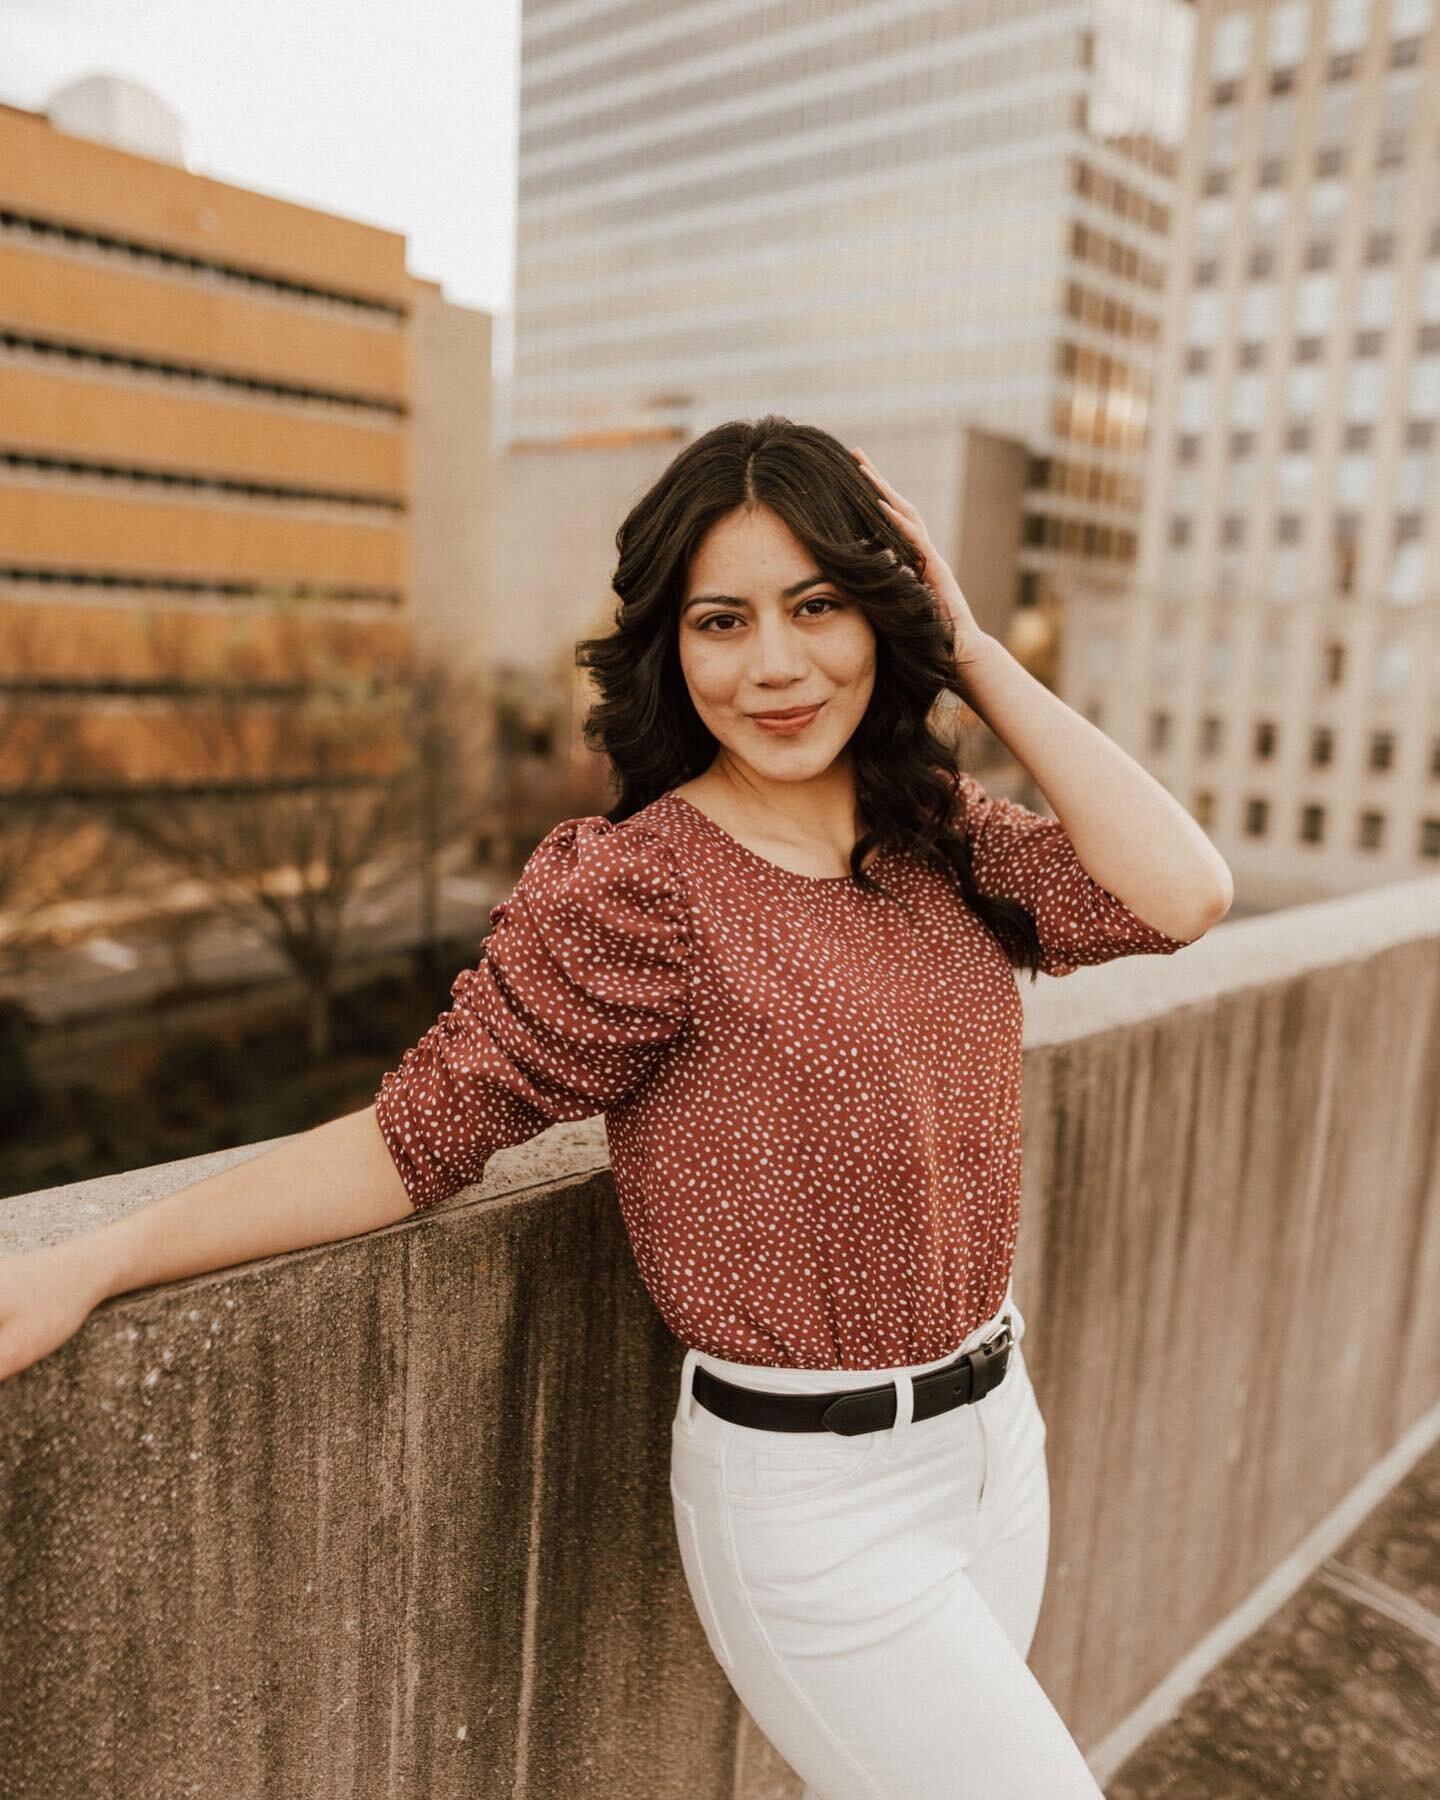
(390, 1516)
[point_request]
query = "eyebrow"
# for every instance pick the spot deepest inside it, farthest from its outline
(731, 600)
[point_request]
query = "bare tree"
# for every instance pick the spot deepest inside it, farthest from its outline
(54, 852)
(299, 776)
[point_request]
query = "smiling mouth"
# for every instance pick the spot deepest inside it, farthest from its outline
(793, 712)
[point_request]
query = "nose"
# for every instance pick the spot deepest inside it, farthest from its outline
(778, 653)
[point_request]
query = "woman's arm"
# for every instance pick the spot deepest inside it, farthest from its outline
(1129, 831)
(333, 1181)
(1130, 834)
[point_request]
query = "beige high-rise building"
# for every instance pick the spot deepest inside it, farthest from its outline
(911, 219)
(1278, 664)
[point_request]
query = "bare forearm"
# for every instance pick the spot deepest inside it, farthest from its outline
(1131, 834)
(331, 1182)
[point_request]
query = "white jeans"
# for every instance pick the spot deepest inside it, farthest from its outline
(872, 1599)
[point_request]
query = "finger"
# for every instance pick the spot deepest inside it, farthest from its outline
(899, 499)
(912, 527)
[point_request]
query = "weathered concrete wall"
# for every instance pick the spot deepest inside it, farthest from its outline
(391, 1516)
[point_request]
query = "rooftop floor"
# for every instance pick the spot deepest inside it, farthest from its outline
(1337, 1696)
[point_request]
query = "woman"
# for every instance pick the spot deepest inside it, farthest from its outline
(783, 968)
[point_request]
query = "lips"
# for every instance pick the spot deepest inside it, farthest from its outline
(791, 712)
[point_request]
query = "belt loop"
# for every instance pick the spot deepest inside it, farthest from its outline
(904, 1385)
(687, 1383)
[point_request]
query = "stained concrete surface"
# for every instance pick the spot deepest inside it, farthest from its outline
(1337, 1696)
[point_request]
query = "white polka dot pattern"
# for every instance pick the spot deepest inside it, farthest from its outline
(811, 1093)
(1018, 855)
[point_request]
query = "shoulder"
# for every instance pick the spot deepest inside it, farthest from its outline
(620, 876)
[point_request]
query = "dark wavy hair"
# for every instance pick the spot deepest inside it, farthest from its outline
(644, 721)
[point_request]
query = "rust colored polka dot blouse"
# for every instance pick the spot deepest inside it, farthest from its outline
(812, 1099)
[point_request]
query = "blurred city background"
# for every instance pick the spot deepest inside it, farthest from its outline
(1138, 301)
(335, 343)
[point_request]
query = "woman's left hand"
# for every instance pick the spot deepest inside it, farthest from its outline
(937, 573)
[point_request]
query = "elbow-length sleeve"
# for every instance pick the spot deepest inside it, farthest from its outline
(1018, 855)
(582, 982)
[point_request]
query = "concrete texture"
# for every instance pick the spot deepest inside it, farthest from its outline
(390, 1516)
(1337, 1694)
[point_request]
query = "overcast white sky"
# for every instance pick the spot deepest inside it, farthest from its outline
(401, 115)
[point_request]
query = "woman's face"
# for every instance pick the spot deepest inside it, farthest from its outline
(761, 630)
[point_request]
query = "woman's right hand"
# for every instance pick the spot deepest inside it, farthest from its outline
(45, 1297)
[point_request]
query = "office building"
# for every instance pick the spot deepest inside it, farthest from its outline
(1277, 664)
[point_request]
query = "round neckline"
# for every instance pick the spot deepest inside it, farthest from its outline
(754, 855)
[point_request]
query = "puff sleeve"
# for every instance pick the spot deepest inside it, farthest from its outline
(1018, 855)
(582, 982)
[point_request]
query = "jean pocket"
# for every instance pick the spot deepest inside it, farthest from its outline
(787, 1472)
(692, 1561)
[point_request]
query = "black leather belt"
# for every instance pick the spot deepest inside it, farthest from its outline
(853, 1410)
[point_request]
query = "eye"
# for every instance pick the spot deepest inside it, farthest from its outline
(827, 600)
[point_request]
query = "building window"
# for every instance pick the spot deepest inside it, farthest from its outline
(1289, 27)
(1222, 138)
(1212, 734)
(1430, 293)
(1382, 750)
(1377, 299)
(1322, 747)
(1194, 403)
(1232, 529)
(1247, 394)
(1435, 757)
(1272, 663)
(1204, 323)
(1257, 310)
(1307, 389)
(1413, 487)
(1345, 552)
(1394, 665)
(1295, 474)
(1333, 663)
(1371, 834)
(1265, 740)
(1335, 121)
(1257, 817)
(1430, 837)
(1367, 382)
(1285, 567)
(1315, 304)
(1406, 586)
(1204, 809)
(1399, 114)
(1355, 479)
(1312, 824)
(1230, 46)
(1159, 731)
(1349, 24)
